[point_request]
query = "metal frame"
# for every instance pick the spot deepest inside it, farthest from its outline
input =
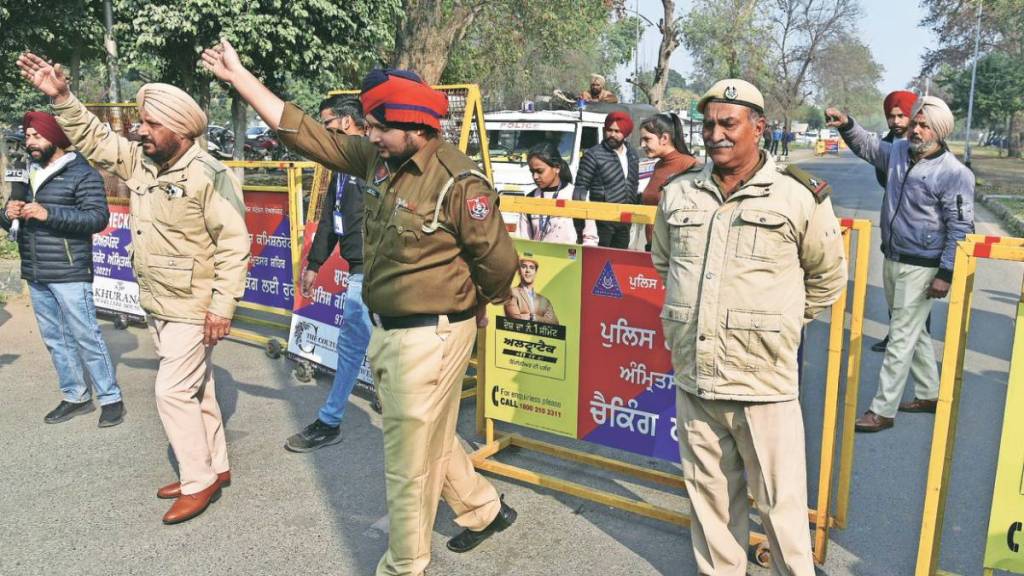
(819, 518)
(940, 464)
(293, 189)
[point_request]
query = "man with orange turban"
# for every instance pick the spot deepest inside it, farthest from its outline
(436, 252)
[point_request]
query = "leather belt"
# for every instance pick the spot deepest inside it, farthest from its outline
(417, 320)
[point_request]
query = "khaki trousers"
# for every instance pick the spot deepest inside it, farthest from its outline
(910, 349)
(187, 403)
(729, 449)
(419, 374)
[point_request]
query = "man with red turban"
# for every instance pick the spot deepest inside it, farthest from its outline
(896, 107)
(54, 218)
(610, 172)
(435, 253)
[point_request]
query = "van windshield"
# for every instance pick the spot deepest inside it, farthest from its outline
(514, 145)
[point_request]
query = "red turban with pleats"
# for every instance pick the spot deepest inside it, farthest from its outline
(47, 127)
(403, 98)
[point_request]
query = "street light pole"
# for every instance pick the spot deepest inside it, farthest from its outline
(970, 98)
(111, 47)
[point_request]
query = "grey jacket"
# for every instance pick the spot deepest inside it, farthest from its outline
(928, 205)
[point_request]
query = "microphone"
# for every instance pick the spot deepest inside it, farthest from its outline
(19, 189)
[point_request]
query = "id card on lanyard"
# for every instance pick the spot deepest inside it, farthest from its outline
(339, 196)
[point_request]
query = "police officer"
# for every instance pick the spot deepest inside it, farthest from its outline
(749, 253)
(190, 253)
(435, 252)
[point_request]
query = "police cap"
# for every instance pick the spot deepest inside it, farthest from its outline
(733, 91)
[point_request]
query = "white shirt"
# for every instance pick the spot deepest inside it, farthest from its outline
(624, 160)
(37, 174)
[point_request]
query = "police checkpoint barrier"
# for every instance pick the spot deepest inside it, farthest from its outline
(315, 321)
(605, 307)
(1006, 520)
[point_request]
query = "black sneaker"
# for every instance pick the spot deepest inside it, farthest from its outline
(468, 539)
(67, 410)
(111, 414)
(316, 435)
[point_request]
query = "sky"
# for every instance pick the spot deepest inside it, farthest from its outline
(888, 27)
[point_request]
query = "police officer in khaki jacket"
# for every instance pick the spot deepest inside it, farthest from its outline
(190, 253)
(435, 252)
(749, 254)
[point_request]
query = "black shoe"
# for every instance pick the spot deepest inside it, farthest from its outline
(316, 435)
(469, 539)
(880, 346)
(67, 410)
(111, 414)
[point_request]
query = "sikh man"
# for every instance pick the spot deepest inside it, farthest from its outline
(190, 253)
(928, 208)
(598, 92)
(896, 107)
(526, 303)
(750, 253)
(435, 253)
(610, 172)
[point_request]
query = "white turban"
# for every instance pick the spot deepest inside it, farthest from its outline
(599, 78)
(173, 108)
(939, 116)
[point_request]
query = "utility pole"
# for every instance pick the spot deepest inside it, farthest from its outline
(111, 47)
(636, 53)
(970, 99)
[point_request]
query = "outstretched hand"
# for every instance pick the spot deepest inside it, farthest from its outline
(834, 118)
(47, 78)
(222, 61)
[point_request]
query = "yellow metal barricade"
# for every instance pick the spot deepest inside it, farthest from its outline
(961, 293)
(277, 321)
(820, 517)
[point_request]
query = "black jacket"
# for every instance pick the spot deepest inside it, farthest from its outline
(351, 239)
(60, 249)
(880, 174)
(600, 175)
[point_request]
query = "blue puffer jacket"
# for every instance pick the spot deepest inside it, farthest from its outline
(60, 249)
(928, 205)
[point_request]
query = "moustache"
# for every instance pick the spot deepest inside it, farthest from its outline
(721, 144)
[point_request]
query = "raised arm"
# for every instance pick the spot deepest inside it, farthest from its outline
(95, 140)
(349, 154)
(863, 144)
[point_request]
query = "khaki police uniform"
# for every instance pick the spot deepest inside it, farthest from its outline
(190, 254)
(743, 275)
(428, 261)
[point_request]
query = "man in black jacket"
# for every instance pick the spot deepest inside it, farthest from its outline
(610, 172)
(54, 220)
(341, 223)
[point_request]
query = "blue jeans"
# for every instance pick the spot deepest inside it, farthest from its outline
(67, 322)
(353, 337)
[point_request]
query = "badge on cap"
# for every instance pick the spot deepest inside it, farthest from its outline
(730, 92)
(479, 207)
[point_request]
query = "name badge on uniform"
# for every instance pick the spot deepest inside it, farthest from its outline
(339, 199)
(339, 223)
(174, 191)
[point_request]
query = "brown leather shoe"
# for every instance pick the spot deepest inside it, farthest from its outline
(918, 405)
(188, 506)
(173, 490)
(871, 422)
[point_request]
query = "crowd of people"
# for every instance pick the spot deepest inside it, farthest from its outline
(749, 252)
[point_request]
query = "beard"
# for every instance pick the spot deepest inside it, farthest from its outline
(922, 146)
(45, 153)
(614, 144)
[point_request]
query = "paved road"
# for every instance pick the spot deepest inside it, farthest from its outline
(78, 500)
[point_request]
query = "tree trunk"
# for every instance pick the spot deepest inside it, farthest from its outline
(238, 107)
(76, 64)
(426, 36)
(669, 42)
(1013, 142)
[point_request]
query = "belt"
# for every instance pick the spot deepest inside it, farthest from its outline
(915, 260)
(418, 320)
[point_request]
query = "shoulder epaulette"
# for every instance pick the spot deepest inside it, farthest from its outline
(819, 188)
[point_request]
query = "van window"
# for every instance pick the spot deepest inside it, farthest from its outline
(513, 145)
(589, 138)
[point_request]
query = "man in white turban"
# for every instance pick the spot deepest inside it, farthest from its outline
(598, 92)
(928, 207)
(190, 254)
